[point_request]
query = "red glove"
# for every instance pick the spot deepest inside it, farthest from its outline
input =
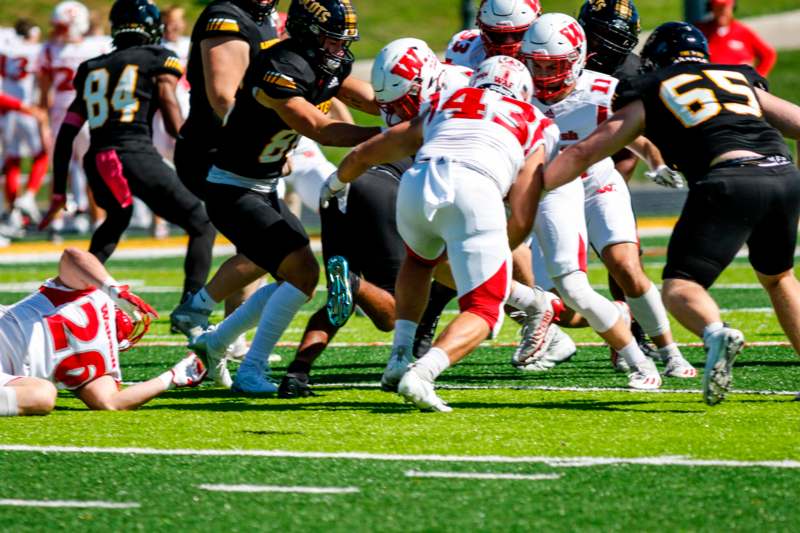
(130, 303)
(57, 203)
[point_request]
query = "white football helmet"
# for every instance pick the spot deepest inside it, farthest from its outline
(505, 75)
(554, 50)
(71, 18)
(404, 75)
(503, 23)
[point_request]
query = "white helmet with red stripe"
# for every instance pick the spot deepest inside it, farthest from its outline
(71, 18)
(554, 50)
(505, 75)
(404, 76)
(503, 23)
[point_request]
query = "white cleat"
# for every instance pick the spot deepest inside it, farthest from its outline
(27, 205)
(646, 376)
(722, 348)
(558, 348)
(238, 349)
(536, 327)
(215, 361)
(420, 392)
(396, 367)
(678, 367)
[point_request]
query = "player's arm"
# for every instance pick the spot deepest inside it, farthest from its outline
(304, 118)
(609, 138)
(62, 155)
(659, 172)
(523, 197)
(340, 112)
(225, 60)
(395, 143)
(359, 95)
(45, 82)
(781, 114)
(168, 103)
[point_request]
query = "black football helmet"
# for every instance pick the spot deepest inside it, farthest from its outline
(674, 42)
(612, 32)
(311, 22)
(140, 18)
(258, 9)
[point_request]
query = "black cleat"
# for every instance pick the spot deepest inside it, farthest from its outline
(295, 385)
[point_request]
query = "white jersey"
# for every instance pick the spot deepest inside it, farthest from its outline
(451, 77)
(61, 61)
(465, 49)
(66, 336)
(579, 114)
(180, 47)
(484, 130)
(19, 69)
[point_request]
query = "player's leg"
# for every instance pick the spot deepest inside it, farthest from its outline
(20, 396)
(772, 247)
(262, 217)
(156, 183)
(11, 171)
(106, 177)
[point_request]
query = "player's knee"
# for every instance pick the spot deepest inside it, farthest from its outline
(773, 281)
(301, 269)
(578, 294)
(39, 399)
(198, 224)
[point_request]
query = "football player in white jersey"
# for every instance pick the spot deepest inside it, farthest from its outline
(61, 55)
(23, 135)
(69, 335)
(554, 49)
(501, 25)
(474, 146)
(175, 40)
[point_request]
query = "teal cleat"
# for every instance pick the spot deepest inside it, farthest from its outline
(341, 300)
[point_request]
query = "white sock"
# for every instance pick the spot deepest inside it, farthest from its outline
(245, 318)
(275, 318)
(526, 298)
(8, 402)
(432, 364)
(404, 332)
(166, 379)
(712, 328)
(649, 311)
(633, 354)
(670, 350)
(203, 300)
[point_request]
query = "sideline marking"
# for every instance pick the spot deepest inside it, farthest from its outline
(564, 462)
(481, 475)
(69, 503)
(279, 488)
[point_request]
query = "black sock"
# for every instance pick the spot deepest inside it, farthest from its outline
(441, 295)
(355, 283)
(299, 367)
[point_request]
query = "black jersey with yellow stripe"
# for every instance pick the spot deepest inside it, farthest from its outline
(255, 141)
(118, 94)
(695, 112)
(221, 18)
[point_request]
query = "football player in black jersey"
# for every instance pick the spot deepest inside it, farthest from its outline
(118, 93)
(719, 126)
(226, 37)
(286, 93)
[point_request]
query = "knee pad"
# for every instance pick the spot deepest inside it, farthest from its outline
(575, 290)
(487, 299)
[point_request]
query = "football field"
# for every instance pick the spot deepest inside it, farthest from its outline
(568, 450)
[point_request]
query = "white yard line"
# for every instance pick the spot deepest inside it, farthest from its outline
(279, 488)
(565, 462)
(68, 503)
(481, 475)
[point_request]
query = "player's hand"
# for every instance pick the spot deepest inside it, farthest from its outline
(330, 188)
(189, 372)
(130, 303)
(57, 203)
(666, 177)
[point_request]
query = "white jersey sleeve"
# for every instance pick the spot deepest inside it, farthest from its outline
(19, 70)
(465, 49)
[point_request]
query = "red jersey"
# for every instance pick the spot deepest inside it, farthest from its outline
(738, 45)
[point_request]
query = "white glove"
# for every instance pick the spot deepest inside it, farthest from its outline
(666, 177)
(330, 188)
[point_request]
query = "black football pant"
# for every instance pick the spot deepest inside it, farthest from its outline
(114, 175)
(192, 162)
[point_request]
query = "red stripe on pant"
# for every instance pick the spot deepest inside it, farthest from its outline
(486, 300)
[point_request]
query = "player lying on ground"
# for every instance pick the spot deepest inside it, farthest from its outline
(719, 126)
(69, 335)
(470, 145)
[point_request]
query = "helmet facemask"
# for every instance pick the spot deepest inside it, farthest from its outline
(554, 76)
(498, 41)
(130, 329)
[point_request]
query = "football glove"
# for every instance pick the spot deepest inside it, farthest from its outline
(330, 188)
(666, 177)
(189, 372)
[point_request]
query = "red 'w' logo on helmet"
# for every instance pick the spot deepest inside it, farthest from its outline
(409, 66)
(573, 33)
